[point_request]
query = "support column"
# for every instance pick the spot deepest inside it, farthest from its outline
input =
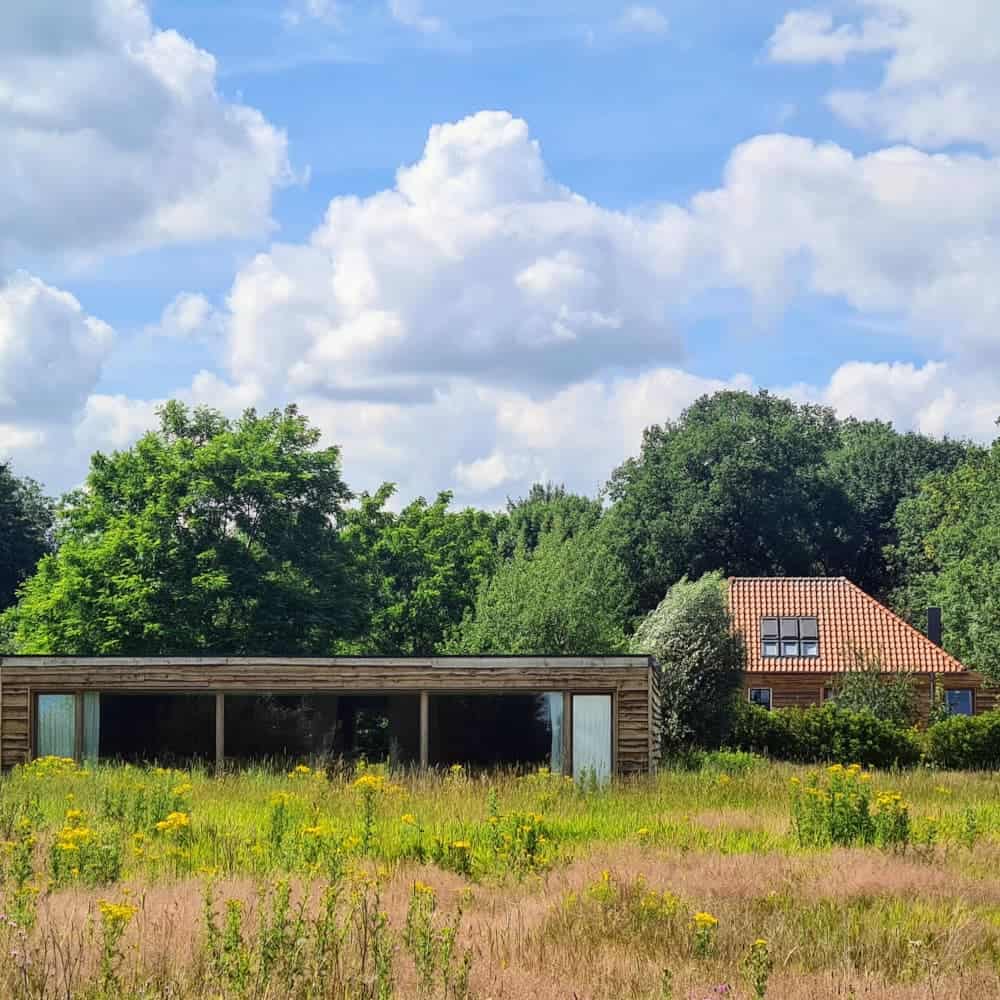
(424, 729)
(220, 732)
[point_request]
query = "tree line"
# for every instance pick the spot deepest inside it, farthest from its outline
(241, 536)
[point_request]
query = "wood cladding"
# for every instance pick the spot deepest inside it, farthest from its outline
(628, 678)
(800, 690)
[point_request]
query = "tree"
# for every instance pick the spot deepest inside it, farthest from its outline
(208, 535)
(419, 570)
(546, 508)
(948, 555)
(888, 695)
(567, 597)
(701, 658)
(737, 484)
(26, 521)
(878, 467)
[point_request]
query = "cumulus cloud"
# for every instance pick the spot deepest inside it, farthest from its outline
(188, 315)
(897, 231)
(941, 84)
(935, 398)
(643, 20)
(51, 354)
(477, 264)
(115, 136)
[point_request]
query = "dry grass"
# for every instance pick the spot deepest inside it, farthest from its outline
(902, 926)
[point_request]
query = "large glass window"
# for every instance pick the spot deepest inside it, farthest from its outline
(592, 735)
(496, 730)
(167, 728)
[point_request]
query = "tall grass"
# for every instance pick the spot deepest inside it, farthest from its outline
(140, 882)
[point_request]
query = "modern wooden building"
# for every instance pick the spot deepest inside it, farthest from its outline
(572, 714)
(801, 633)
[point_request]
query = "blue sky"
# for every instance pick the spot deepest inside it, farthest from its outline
(620, 207)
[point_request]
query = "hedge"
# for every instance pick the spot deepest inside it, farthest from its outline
(828, 734)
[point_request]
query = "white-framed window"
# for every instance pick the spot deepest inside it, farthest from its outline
(789, 637)
(761, 697)
(960, 701)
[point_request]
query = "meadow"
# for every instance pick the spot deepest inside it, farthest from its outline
(735, 877)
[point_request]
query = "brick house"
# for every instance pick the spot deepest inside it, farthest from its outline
(801, 632)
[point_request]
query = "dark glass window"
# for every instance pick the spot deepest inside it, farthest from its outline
(789, 637)
(761, 697)
(959, 701)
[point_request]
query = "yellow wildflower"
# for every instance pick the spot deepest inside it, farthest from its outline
(704, 921)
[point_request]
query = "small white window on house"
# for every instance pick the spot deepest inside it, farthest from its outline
(959, 701)
(761, 697)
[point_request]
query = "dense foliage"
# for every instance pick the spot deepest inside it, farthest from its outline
(569, 596)
(948, 554)
(701, 662)
(206, 535)
(418, 570)
(890, 696)
(25, 531)
(822, 734)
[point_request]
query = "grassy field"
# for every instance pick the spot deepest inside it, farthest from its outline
(741, 879)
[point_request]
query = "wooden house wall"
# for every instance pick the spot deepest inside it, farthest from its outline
(627, 678)
(800, 690)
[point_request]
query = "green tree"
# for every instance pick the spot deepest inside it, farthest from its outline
(26, 522)
(420, 570)
(888, 695)
(948, 555)
(208, 534)
(877, 467)
(546, 508)
(737, 484)
(568, 597)
(701, 657)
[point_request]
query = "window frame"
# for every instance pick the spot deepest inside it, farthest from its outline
(770, 697)
(782, 634)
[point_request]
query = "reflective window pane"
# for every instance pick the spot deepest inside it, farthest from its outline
(771, 647)
(810, 647)
(789, 647)
(55, 725)
(592, 735)
(760, 697)
(959, 701)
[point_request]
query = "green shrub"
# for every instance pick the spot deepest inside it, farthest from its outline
(965, 742)
(819, 734)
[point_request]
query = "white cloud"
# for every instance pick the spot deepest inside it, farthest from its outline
(475, 264)
(942, 81)
(51, 354)
(936, 398)
(897, 231)
(411, 14)
(115, 137)
(643, 20)
(187, 315)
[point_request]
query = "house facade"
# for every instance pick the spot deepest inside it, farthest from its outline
(572, 714)
(802, 633)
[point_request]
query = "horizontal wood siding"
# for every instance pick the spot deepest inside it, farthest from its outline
(626, 677)
(14, 718)
(800, 690)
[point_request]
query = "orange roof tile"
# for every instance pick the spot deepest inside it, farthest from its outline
(848, 619)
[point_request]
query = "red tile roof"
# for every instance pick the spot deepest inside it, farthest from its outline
(847, 617)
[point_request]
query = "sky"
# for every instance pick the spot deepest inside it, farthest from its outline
(482, 246)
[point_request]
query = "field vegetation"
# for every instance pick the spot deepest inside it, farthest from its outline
(734, 876)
